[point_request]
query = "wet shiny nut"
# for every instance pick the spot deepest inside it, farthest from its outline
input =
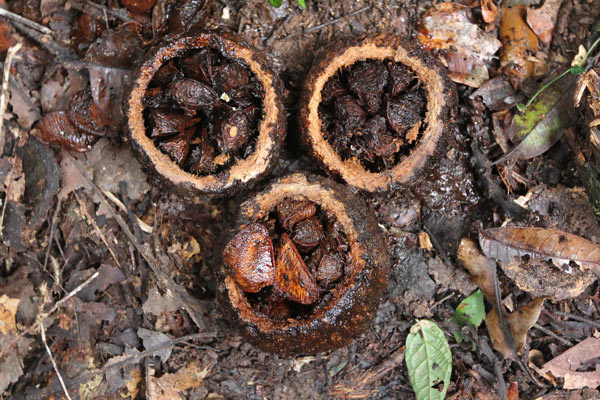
(205, 113)
(327, 281)
(376, 111)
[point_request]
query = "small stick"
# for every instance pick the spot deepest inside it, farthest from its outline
(336, 20)
(4, 96)
(51, 234)
(73, 292)
(16, 17)
(60, 378)
(108, 11)
(552, 334)
(578, 318)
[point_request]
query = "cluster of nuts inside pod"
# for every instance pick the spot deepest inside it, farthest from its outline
(305, 267)
(374, 112)
(205, 112)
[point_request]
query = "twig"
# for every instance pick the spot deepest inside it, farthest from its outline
(93, 223)
(51, 234)
(356, 390)
(25, 21)
(60, 378)
(552, 334)
(4, 96)
(108, 11)
(491, 187)
(162, 278)
(578, 318)
(50, 45)
(73, 292)
(336, 20)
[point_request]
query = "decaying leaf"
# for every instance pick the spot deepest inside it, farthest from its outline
(448, 26)
(560, 247)
(541, 278)
(568, 365)
(489, 11)
(542, 20)
(519, 43)
(519, 323)
(508, 333)
(542, 124)
(481, 268)
(8, 310)
(170, 386)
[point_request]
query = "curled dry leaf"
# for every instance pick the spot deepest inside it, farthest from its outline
(292, 276)
(519, 43)
(249, 257)
(568, 365)
(519, 323)
(489, 11)
(505, 244)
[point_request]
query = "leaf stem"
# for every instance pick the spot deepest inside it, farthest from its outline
(574, 69)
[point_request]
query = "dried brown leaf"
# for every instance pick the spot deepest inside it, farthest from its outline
(518, 44)
(8, 311)
(480, 267)
(519, 323)
(489, 11)
(505, 244)
(542, 20)
(567, 364)
(169, 386)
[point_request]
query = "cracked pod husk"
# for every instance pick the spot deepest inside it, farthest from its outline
(201, 154)
(386, 132)
(344, 309)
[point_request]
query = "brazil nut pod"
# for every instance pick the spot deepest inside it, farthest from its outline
(205, 114)
(319, 266)
(375, 112)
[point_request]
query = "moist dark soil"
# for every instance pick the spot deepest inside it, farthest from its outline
(59, 232)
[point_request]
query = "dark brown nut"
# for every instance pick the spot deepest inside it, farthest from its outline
(347, 308)
(249, 258)
(191, 94)
(292, 276)
(308, 233)
(291, 211)
(350, 86)
(56, 128)
(330, 269)
(214, 167)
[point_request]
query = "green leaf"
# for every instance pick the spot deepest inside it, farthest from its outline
(538, 128)
(276, 3)
(576, 70)
(428, 360)
(470, 311)
(302, 3)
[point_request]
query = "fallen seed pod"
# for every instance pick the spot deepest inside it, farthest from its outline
(322, 297)
(238, 134)
(375, 112)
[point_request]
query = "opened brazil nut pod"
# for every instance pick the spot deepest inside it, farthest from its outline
(205, 113)
(374, 111)
(304, 268)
